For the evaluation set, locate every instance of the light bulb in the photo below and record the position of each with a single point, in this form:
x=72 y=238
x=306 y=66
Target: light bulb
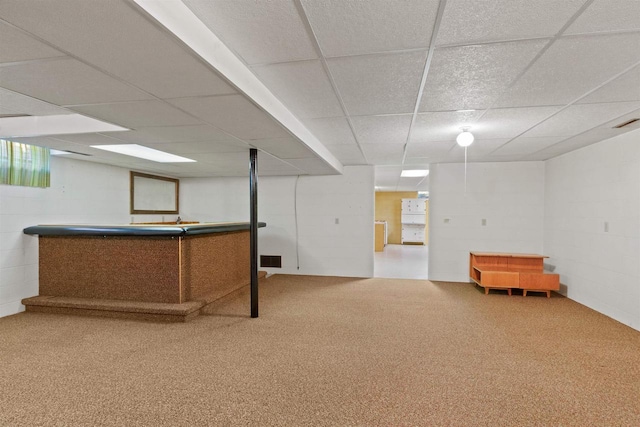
x=465 y=139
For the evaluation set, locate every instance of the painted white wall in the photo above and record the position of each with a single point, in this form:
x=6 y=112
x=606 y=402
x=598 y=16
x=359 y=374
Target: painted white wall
x=584 y=190
x=324 y=247
x=510 y=196
x=80 y=192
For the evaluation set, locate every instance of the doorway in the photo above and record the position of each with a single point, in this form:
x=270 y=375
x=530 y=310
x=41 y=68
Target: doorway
x=404 y=255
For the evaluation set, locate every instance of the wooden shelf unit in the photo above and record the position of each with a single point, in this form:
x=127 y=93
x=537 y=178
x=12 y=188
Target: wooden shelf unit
x=494 y=270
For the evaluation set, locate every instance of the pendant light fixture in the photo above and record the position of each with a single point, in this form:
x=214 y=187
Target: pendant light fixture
x=465 y=139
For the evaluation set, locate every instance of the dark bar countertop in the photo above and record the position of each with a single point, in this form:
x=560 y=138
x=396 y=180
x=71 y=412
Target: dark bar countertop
x=138 y=229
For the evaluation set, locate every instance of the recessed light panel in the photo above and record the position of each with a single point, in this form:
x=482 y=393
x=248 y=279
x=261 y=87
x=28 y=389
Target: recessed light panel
x=143 y=152
x=414 y=173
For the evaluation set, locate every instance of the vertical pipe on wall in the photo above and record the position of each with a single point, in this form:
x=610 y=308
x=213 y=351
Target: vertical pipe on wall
x=253 y=228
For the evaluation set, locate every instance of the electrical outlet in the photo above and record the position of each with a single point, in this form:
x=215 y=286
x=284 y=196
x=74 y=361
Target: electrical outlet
x=484 y=221
x=446 y=220
x=606 y=227
x=337 y=220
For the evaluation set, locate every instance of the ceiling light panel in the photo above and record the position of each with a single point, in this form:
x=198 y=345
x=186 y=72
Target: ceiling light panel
x=75 y=83
x=260 y=32
x=382 y=129
x=553 y=79
x=473 y=77
x=580 y=118
x=503 y=20
x=138 y=114
x=414 y=173
x=624 y=88
x=18 y=103
x=357 y=27
x=331 y=130
x=379 y=84
x=233 y=114
x=137 y=52
x=302 y=86
x=607 y=15
x=52 y=125
x=17 y=46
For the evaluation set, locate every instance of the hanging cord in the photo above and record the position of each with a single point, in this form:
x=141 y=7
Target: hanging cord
x=465 y=171
x=295 y=216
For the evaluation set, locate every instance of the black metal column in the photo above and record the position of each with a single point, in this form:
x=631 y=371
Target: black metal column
x=253 y=228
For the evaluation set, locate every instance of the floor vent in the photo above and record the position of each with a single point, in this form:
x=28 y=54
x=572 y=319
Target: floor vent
x=274 y=261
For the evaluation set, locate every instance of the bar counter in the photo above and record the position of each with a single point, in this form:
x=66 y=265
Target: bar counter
x=162 y=270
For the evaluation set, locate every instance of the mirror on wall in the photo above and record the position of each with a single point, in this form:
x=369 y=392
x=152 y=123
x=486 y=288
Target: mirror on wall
x=152 y=194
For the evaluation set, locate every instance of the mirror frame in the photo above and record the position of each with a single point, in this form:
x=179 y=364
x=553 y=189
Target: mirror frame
x=134 y=211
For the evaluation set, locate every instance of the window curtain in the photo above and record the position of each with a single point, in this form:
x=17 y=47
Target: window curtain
x=23 y=164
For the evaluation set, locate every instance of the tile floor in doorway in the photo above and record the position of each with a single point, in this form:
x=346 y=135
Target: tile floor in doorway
x=401 y=262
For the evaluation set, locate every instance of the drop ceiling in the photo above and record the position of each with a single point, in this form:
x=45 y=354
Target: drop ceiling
x=317 y=84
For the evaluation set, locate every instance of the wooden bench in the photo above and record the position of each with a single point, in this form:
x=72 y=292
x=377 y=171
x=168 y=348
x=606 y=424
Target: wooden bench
x=509 y=271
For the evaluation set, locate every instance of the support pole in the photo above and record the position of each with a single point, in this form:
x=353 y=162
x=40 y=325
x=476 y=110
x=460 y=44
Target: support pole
x=253 y=228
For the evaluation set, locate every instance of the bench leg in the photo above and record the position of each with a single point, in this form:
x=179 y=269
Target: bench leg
x=509 y=291
x=524 y=292
x=548 y=294
x=486 y=291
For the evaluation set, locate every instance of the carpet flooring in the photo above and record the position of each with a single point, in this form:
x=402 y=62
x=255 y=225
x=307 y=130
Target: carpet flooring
x=329 y=351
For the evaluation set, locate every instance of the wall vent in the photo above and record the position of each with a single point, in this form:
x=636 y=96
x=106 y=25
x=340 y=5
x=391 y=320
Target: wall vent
x=627 y=123
x=274 y=261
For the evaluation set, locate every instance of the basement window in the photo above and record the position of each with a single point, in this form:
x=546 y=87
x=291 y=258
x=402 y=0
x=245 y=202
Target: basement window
x=24 y=165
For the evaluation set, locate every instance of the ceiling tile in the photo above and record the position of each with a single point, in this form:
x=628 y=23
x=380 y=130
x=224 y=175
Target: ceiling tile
x=17 y=46
x=66 y=81
x=509 y=122
x=473 y=77
x=138 y=114
x=382 y=129
x=624 y=88
x=258 y=31
x=139 y=52
x=233 y=114
x=580 y=118
x=313 y=166
x=200 y=147
x=479 y=151
x=90 y=138
x=384 y=154
x=379 y=84
x=523 y=146
x=331 y=130
x=469 y=21
x=284 y=148
x=434 y=150
x=303 y=86
x=17 y=103
x=356 y=27
x=607 y=15
x=160 y=134
x=347 y=154
x=442 y=126
x=571 y=67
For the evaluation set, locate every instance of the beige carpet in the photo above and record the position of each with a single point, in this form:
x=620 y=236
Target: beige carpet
x=329 y=351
